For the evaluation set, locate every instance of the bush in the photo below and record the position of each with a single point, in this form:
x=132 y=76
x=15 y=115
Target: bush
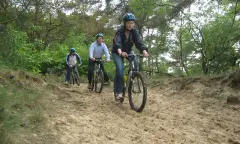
x=18 y=108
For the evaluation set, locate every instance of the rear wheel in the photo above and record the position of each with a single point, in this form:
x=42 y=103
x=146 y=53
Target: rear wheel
x=137 y=92
x=99 y=80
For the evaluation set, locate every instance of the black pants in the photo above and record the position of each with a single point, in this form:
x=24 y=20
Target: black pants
x=69 y=70
x=91 y=66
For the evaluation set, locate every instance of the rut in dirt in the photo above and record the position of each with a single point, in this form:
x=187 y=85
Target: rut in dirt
x=177 y=111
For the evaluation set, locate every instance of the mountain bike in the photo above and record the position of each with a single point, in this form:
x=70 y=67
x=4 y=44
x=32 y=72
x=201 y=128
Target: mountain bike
x=134 y=84
x=74 y=76
x=98 y=77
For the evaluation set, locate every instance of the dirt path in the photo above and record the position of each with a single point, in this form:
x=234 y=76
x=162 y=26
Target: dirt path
x=195 y=114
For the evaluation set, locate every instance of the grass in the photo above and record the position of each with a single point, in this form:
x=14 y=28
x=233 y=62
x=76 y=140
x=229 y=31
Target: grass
x=21 y=110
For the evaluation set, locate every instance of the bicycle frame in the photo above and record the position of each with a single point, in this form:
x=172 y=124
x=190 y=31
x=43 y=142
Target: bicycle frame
x=98 y=66
x=74 y=70
x=129 y=88
x=96 y=73
x=131 y=70
x=74 y=74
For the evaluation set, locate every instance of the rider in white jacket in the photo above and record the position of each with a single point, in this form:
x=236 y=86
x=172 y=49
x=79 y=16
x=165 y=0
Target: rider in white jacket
x=96 y=51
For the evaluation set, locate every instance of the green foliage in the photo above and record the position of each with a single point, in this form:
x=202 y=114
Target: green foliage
x=209 y=47
x=142 y=7
x=23 y=54
x=18 y=108
x=36 y=37
x=220 y=37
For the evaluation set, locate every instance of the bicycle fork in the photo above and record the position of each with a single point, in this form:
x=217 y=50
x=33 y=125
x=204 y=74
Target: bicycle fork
x=129 y=79
x=134 y=90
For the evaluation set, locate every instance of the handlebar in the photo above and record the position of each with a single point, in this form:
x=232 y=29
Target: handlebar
x=99 y=60
x=76 y=65
x=140 y=55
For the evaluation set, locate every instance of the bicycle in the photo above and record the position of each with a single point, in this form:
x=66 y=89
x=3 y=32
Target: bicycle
x=98 y=77
x=74 y=76
x=134 y=84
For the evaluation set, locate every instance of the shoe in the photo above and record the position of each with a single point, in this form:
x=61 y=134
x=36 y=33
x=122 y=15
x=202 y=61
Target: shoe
x=119 y=96
x=89 y=86
x=66 y=82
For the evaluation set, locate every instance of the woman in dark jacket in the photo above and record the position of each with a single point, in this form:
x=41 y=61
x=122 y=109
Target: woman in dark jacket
x=125 y=38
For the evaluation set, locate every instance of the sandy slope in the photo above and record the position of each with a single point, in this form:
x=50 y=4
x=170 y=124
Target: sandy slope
x=177 y=111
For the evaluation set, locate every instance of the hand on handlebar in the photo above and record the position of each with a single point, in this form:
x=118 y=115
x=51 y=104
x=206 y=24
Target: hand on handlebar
x=108 y=60
x=145 y=53
x=124 y=54
x=93 y=59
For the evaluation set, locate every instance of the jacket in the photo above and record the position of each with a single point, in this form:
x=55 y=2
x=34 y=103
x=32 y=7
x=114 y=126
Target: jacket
x=73 y=59
x=120 y=41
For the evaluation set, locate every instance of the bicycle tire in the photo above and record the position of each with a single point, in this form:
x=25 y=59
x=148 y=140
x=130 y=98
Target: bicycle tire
x=72 y=78
x=99 y=79
x=144 y=97
x=77 y=78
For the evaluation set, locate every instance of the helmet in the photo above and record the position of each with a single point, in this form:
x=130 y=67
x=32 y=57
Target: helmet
x=99 y=35
x=128 y=17
x=72 y=50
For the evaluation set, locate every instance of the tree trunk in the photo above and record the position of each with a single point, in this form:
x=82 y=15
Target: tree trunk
x=157 y=64
x=35 y=34
x=181 y=50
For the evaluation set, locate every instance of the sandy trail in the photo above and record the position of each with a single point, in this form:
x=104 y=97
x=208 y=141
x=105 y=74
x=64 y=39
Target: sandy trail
x=197 y=113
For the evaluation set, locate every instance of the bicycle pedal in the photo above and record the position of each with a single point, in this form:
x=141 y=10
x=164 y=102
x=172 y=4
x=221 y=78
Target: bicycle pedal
x=118 y=102
x=121 y=100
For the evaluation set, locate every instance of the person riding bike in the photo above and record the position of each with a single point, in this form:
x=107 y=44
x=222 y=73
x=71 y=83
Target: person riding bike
x=124 y=39
x=72 y=59
x=96 y=51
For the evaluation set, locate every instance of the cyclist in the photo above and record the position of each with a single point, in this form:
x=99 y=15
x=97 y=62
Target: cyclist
x=124 y=39
x=72 y=59
x=96 y=51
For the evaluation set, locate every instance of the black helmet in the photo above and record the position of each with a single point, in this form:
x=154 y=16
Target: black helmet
x=72 y=50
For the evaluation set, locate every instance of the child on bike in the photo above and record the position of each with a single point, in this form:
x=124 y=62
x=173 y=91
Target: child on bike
x=72 y=59
x=124 y=39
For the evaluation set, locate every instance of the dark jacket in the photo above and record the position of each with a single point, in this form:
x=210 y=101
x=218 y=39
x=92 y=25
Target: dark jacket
x=120 y=41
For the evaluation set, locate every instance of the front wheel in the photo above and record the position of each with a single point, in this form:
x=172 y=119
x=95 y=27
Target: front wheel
x=137 y=92
x=99 y=80
x=77 y=78
x=72 y=79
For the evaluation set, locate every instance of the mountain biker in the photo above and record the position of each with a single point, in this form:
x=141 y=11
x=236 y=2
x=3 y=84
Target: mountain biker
x=125 y=37
x=96 y=51
x=72 y=59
